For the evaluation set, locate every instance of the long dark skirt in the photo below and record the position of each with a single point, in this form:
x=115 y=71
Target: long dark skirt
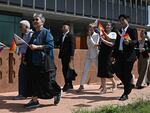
x=105 y=69
x=41 y=84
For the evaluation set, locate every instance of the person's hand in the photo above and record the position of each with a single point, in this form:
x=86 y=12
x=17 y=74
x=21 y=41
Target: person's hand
x=142 y=50
x=33 y=47
x=113 y=60
x=126 y=42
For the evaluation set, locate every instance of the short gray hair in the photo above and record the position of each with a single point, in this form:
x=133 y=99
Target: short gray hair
x=26 y=23
x=40 y=16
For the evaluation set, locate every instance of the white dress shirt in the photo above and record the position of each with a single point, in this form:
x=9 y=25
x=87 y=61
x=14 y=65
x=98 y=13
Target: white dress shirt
x=91 y=42
x=63 y=38
x=122 y=39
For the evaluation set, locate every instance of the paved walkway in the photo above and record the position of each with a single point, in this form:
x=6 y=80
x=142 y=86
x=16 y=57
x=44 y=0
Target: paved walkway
x=90 y=98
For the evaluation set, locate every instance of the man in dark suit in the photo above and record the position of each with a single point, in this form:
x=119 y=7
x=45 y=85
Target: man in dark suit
x=66 y=54
x=125 y=55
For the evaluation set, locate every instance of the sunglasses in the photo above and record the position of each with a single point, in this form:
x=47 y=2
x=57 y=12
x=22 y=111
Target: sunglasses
x=36 y=19
x=122 y=19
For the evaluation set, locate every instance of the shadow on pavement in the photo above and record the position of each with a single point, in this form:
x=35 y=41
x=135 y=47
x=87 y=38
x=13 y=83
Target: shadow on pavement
x=12 y=107
x=15 y=107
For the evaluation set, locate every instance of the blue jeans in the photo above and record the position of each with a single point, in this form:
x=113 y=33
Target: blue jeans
x=22 y=79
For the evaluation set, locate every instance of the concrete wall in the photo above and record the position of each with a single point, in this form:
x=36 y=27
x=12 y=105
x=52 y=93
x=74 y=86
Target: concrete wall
x=9 y=69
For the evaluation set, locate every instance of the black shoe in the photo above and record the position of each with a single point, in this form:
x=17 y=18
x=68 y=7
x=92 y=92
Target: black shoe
x=65 y=88
x=57 y=99
x=70 y=86
x=132 y=86
x=123 y=97
x=81 y=88
x=32 y=104
x=140 y=87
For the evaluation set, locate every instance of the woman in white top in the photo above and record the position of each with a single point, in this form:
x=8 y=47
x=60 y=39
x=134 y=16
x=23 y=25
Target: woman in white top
x=92 y=53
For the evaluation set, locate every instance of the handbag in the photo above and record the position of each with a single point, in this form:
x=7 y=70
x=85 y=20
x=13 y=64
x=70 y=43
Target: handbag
x=71 y=73
x=47 y=64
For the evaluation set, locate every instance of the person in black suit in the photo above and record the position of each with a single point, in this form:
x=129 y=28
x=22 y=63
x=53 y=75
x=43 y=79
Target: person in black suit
x=125 y=54
x=66 y=54
x=143 y=60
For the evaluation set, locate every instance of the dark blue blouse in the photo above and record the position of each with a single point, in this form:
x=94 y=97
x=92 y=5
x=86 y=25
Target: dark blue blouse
x=43 y=37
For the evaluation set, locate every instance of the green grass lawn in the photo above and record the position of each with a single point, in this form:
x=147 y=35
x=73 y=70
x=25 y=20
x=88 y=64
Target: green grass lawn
x=137 y=107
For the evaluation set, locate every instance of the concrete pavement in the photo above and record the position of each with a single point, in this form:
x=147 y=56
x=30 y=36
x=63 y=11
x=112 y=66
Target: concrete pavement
x=90 y=98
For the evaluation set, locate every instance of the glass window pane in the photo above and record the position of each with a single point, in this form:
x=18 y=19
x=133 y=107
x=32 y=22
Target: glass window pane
x=9 y=26
x=109 y=9
x=39 y=4
x=15 y=2
x=139 y=15
x=116 y=9
x=61 y=5
x=50 y=4
x=144 y=16
x=133 y=14
x=28 y=3
x=70 y=6
x=95 y=8
x=3 y=1
x=103 y=9
x=79 y=7
x=87 y=8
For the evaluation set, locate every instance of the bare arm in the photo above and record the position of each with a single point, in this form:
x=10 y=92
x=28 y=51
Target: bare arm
x=107 y=42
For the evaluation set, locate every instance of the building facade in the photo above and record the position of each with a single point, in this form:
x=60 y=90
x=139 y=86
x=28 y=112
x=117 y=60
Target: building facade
x=78 y=13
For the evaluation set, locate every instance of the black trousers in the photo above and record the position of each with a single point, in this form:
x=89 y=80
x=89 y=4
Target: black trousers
x=22 y=79
x=41 y=85
x=65 y=65
x=123 y=70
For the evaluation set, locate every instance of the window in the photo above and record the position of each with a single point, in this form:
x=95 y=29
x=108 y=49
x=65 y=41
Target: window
x=103 y=9
x=15 y=2
x=3 y=1
x=9 y=26
x=79 y=7
x=61 y=5
x=116 y=9
x=95 y=8
x=50 y=5
x=28 y=3
x=70 y=6
x=109 y=10
x=39 y=4
x=87 y=8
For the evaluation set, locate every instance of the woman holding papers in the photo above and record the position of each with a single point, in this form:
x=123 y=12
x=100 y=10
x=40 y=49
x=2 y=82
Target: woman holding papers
x=143 y=60
x=104 y=58
x=41 y=68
